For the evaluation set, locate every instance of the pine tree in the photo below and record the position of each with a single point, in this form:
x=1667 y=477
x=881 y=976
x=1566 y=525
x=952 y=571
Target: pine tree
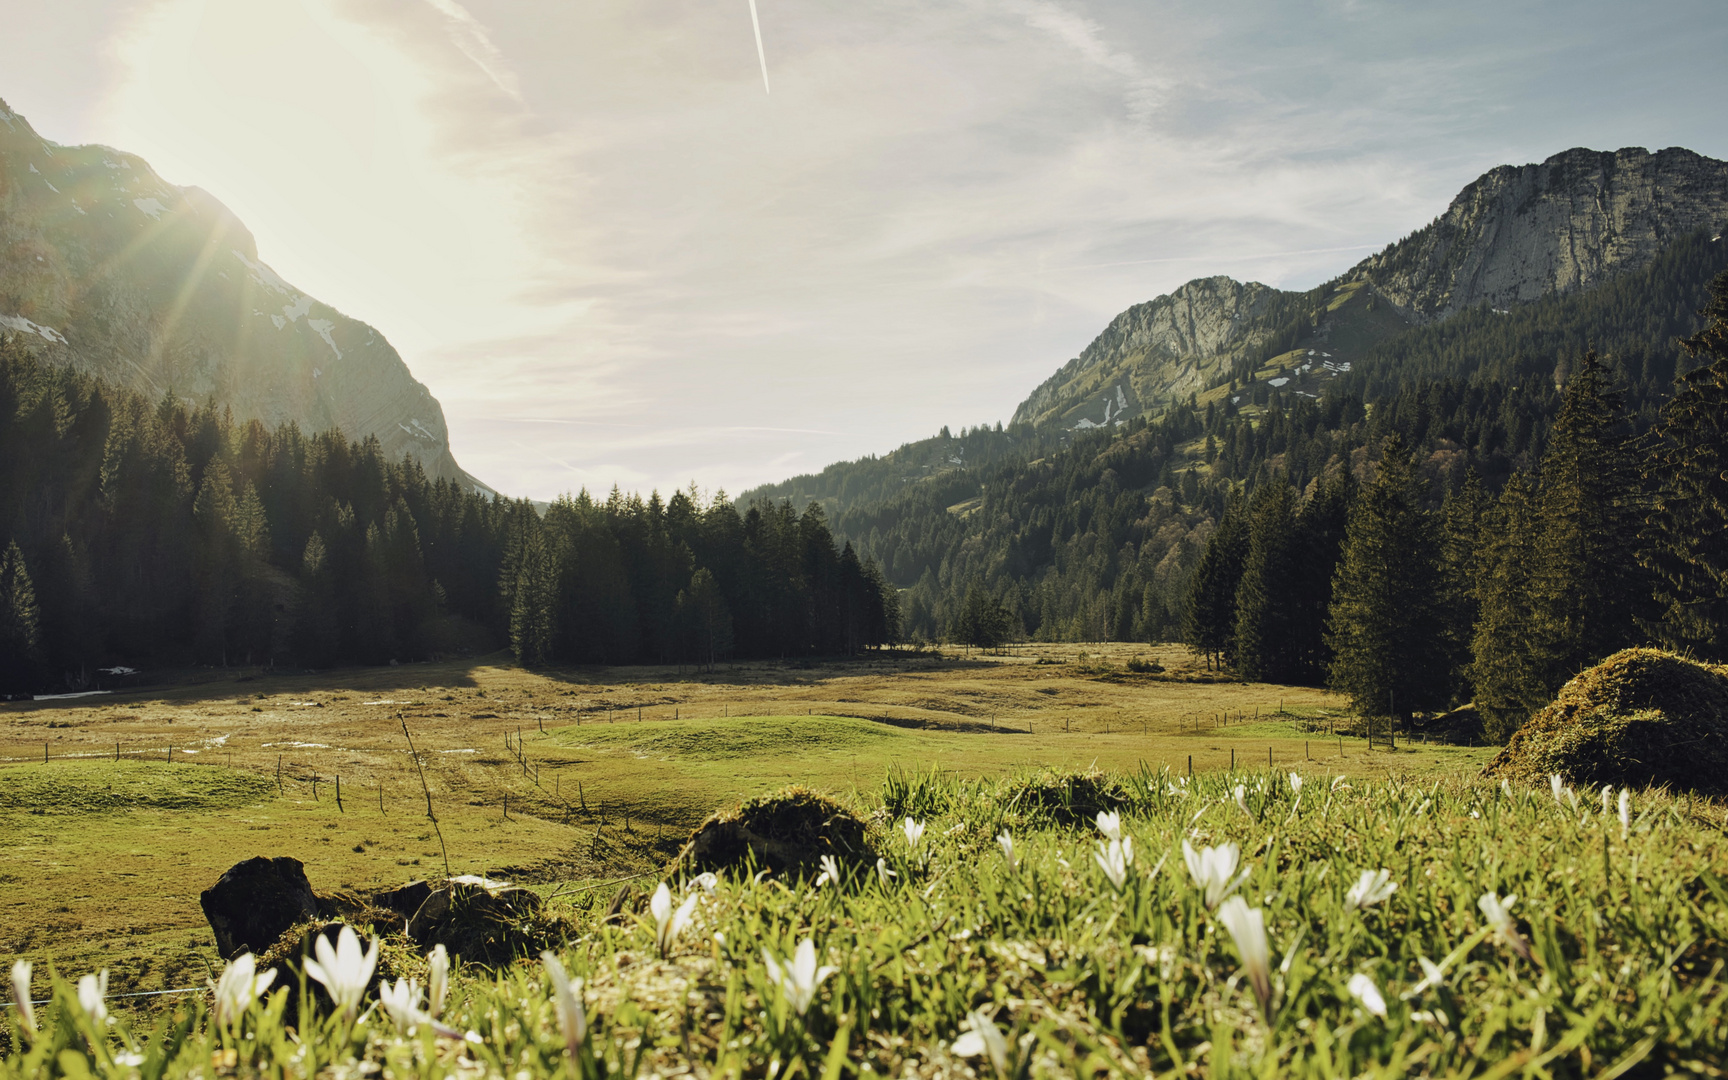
x=531 y=607
x=1267 y=649
x=708 y=618
x=1462 y=516
x=1386 y=637
x=20 y=635
x=1209 y=620
x=1588 y=587
x=1506 y=668
x=316 y=633
x=1320 y=527
x=1687 y=467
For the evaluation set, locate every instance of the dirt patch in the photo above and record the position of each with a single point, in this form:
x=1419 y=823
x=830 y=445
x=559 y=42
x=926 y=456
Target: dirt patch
x=1641 y=717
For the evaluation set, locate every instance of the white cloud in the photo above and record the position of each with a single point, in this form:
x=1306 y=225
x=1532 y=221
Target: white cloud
x=592 y=212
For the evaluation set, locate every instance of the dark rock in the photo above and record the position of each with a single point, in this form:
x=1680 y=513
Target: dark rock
x=255 y=902
x=405 y=900
x=482 y=921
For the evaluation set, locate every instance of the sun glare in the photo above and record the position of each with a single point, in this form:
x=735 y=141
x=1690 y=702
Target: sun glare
x=317 y=132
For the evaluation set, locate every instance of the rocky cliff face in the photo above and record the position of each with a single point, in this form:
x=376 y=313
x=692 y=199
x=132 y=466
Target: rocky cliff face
x=1516 y=234
x=1167 y=346
x=1521 y=232
x=106 y=268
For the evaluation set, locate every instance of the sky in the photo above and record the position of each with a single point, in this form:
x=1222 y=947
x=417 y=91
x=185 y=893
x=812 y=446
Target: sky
x=617 y=256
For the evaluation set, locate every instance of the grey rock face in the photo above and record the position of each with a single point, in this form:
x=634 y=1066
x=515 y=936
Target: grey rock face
x=107 y=269
x=1522 y=232
x=1514 y=235
x=1204 y=318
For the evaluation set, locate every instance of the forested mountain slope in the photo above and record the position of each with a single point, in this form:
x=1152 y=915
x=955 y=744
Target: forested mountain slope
x=108 y=270
x=1096 y=539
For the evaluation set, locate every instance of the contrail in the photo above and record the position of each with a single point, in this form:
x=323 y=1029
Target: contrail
x=756 y=25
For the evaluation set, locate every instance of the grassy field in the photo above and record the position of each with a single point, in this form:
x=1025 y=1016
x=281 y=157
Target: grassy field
x=1510 y=932
x=101 y=861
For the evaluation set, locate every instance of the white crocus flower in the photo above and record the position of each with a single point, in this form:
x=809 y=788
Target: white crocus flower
x=1505 y=787
x=830 y=872
x=401 y=1000
x=1241 y=796
x=1373 y=887
x=1211 y=868
x=1362 y=988
x=567 y=1003
x=914 y=831
x=344 y=970
x=1433 y=977
x=21 y=994
x=238 y=987
x=1006 y=843
x=1607 y=796
x=1625 y=813
x=1114 y=857
x=1247 y=928
x=668 y=924
x=799 y=978
x=883 y=874
x=1110 y=824
x=1296 y=783
x=707 y=881
x=1338 y=782
x=1498 y=911
x=93 y=994
x=983 y=1037
x=439 y=979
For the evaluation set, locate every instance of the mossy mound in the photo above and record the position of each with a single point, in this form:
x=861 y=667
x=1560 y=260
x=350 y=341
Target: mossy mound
x=787 y=832
x=397 y=956
x=485 y=922
x=1642 y=717
x=1066 y=798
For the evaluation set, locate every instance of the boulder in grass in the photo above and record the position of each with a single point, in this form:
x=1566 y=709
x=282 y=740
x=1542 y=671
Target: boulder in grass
x=1642 y=717
x=786 y=832
x=255 y=902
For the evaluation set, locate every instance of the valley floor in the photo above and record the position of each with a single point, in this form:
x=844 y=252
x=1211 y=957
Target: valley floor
x=563 y=779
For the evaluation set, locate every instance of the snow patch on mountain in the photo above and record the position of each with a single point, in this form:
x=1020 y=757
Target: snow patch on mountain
x=22 y=325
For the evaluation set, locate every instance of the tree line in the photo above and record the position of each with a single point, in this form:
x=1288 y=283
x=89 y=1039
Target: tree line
x=165 y=533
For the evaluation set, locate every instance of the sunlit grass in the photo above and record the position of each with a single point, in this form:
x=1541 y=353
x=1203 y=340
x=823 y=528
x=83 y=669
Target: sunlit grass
x=1383 y=953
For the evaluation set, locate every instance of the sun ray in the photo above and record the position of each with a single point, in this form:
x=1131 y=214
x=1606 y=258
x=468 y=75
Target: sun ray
x=756 y=25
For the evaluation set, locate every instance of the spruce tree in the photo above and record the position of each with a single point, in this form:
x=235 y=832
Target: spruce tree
x=1209 y=617
x=1267 y=648
x=1506 y=668
x=1686 y=531
x=1320 y=529
x=20 y=635
x=531 y=625
x=1588 y=587
x=1462 y=517
x=1385 y=633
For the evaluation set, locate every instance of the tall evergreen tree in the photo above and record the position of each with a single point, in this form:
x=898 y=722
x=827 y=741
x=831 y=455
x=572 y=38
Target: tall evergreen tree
x=1209 y=619
x=1267 y=597
x=1321 y=526
x=709 y=621
x=1462 y=517
x=1385 y=633
x=531 y=603
x=1686 y=550
x=1506 y=668
x=1589 y=586
x=20 y=643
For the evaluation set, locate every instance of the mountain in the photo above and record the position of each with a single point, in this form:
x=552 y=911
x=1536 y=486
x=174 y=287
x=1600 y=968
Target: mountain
x=1515 y=235
x=107 y=269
